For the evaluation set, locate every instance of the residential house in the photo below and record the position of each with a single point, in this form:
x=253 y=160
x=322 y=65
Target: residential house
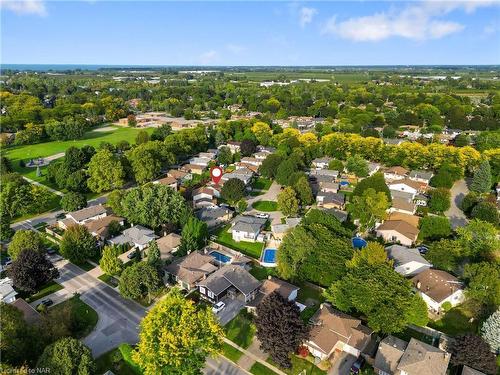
x=100 y=228
x=279 y=230
x=167 y=181
x=406 y=206
x=410 y=219
x=204 y=197
x=323 y=175
x=247 y=228
x=398 y=231
x=251 y=167
x=210 y=154
x=231 y=281
x=193 y=168
x=406 y=185
x=136 y=236
x=393 y=141
x=214 y=216
x=7 y=292
x=335 y=331
x=243 y=174
x=233 y=146
x=179 y=175
x=201 y=161
x=328 y=187
x=168 y=244
x=397 y=357
x=252 y=161
x=437 y=287
x=84 y=215
x=407 y=261
x=270 y=285
x=188 y=270
x=340 y=215
x=331 y=200
x=31 y=316
x=373 y=168
x=321 y=163
x=421 y=176
x=395 y=173
x=261 y=155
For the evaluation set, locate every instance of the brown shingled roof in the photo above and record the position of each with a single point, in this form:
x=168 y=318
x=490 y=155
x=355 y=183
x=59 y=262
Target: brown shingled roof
x=407 y=230
x=436 y=284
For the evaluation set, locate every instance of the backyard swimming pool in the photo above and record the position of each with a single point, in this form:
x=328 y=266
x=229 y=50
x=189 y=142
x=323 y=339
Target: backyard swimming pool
x=223 y=258
x=358 y=242
x=268 y=258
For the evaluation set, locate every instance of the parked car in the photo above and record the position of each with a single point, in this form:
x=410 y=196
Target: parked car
x=219 y=306
x=356 y=366
x=47 y=302
x=262 y=216
x=60 y=216
x=131 y=255
x=423 y=249
x=6 y=261
x=51 y=251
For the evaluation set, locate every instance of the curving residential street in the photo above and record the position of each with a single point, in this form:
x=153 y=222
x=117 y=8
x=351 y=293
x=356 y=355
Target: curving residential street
x=458 y=191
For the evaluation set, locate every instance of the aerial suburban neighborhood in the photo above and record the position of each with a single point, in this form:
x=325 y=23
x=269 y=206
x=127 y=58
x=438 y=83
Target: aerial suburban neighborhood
x=249 y=219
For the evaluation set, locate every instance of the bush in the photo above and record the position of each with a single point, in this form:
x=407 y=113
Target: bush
x=485 y=211
x=446 y=306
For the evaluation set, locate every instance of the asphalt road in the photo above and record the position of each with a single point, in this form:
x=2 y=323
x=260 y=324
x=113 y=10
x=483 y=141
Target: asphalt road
x=458 y=191
x=221 y=366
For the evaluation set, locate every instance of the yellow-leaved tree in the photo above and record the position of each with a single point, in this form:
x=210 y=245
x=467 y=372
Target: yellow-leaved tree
x=176 y=336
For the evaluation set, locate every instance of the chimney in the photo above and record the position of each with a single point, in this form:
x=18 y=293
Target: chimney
x=419 y=284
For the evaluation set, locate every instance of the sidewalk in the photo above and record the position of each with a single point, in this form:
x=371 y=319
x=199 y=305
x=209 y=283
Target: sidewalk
x=57 y=192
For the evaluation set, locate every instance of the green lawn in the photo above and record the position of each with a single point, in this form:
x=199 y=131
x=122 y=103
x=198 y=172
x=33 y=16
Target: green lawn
x=230 y=352
x=307 y=295
x=259 y=369
x=408 y=333
x=45 y=290
x=456 y=321
x=84 y=317
x=241 y=329
x=119 y=361
x=86 y=266
x=261 y=273
x=262 y=183
x=266 y=206
x=256 y=193
x=92 y=138
x=252 y=249
x=299 y=365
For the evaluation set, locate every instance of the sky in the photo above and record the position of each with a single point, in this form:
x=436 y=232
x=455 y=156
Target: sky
x=207 y=33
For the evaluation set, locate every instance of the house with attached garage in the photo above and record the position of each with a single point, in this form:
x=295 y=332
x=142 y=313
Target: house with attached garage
x=437 y=287
x=214 y=216
x=321 y=163
x=334 y=331
x=193 y=168
x=179 y=175
x=248 y=228
x=330 y=200
x=405 y=206
x=407 y=261
x=100 y=228
x=83 y=216
x=421 y=176
x=406 y=185
x=244 y=174
x=188 y=270
x=395 y=173
x=136 y=236
x=398 y=231
x=270 y=285
x=252 y=161
x=398 y=357
x=167 y=181
x=229 y=281
x=168 y=244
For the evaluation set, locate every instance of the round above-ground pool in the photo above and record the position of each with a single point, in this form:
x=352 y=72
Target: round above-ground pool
x=268 y=257
x=358 y=242
x=344 y=183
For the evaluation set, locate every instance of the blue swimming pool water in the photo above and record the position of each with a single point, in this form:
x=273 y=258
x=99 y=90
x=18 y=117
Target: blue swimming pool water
x=358 y=242
x=269 y=256
x=220 y=257
x=344 y=183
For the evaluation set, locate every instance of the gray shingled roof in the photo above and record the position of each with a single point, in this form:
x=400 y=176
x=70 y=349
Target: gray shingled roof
x=249 y=224
x=87 y=212
x=231 y=275
x=403 y=255
x=421 y=174
x=389 y=352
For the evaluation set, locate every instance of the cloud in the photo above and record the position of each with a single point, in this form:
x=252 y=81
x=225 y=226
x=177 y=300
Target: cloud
x=236 y=48
x=306 y=15
x=417 y=22
x=208 y=57
x=36 y=7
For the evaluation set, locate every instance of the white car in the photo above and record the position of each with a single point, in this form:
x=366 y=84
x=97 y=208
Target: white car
x=262 y=216
x=219 y=306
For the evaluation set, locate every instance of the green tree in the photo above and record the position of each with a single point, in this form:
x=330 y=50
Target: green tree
x=434 y=227
x=139 y=280
x=225 y=156
x=483 y=283
x=369 y=208
x=485 y=211
x=233 y=190
x=109 y=262
x=67 y=356
x=445 y=254
x=142 y=137
x=357 y=165
x=105 y=172
x=482 y=180
x=376 y=182
x=304 y=191
x=194 y=235
x=242 y=205
x=25 y=240
x=78 y=244
x=146 y=160
x=469 y=201
x=286 y=169
x=154 y=255
x=73 y=201
x=336 y=165
x=288 y=203
x=176 y=336
x=31 y=270
x=490 y=331
x=270 y=165
x=479 y=239
x=439 y=200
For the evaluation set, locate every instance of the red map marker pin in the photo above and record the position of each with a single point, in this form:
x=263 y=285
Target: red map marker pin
x=216 y=174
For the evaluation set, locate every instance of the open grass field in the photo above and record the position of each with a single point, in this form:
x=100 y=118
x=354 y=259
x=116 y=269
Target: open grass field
x=91 y=138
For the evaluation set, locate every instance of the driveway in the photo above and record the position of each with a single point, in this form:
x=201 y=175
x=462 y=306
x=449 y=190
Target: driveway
x=458 y=191
x=342 y=364
x=119 y=318
x=233 y=307
x=270 y=195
